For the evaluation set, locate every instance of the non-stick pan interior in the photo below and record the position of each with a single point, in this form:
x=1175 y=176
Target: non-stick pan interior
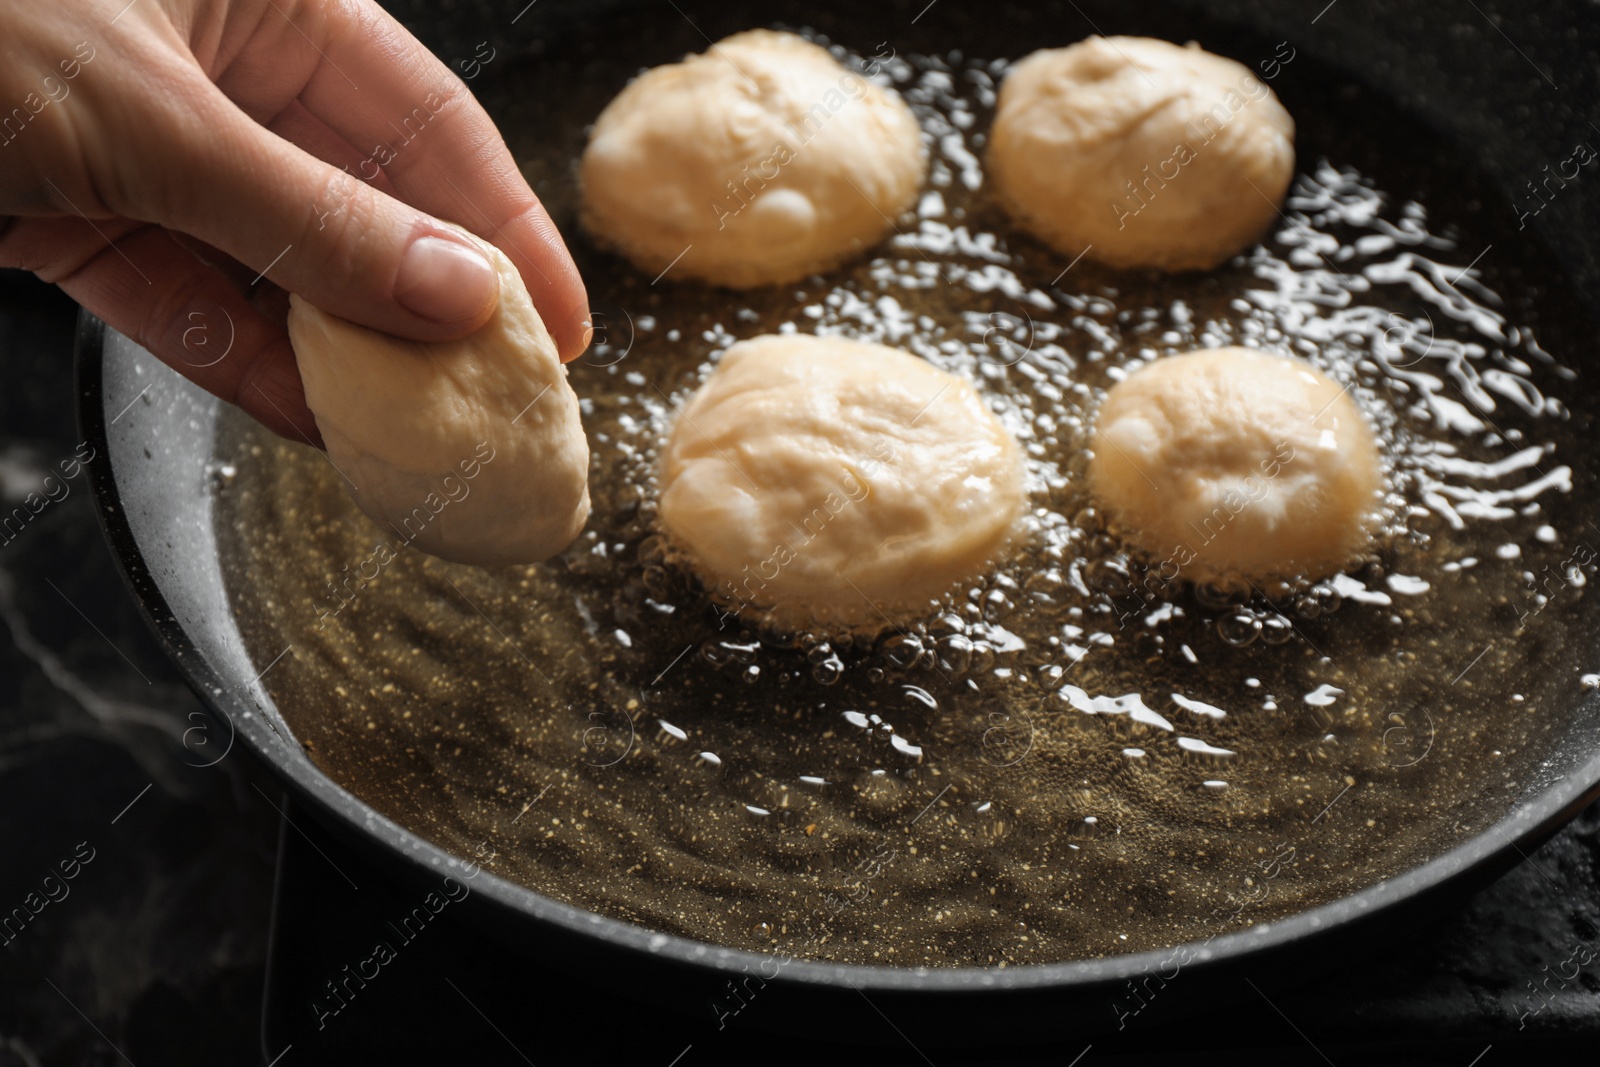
x=160 y=430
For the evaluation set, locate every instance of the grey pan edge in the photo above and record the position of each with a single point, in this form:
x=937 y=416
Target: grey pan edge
x=156 y=514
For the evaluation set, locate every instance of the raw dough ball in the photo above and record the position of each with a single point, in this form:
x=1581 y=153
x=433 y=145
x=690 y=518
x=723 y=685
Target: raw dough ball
x=763 y=157
x=1229 y=465
x=844 y=479
x=470 y=450
x=1142 y=152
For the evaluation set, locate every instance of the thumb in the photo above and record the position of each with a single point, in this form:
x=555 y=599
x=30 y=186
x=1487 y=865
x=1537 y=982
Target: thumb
x=317 y=230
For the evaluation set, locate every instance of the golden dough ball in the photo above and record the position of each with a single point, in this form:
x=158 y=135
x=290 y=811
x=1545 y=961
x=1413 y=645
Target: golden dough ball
x=470 y=450
x=1140 y=153
x=1231 y=466
x=845 y=481
x=760 y=161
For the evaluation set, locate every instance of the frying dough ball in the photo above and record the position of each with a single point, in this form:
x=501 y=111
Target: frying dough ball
x=758 y=162
x=1143 y=153
x=843 y=479
x=470 y=450
x=1229 y=465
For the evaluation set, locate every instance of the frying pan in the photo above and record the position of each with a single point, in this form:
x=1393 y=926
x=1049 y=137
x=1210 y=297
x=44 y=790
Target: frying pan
x=1507 y=87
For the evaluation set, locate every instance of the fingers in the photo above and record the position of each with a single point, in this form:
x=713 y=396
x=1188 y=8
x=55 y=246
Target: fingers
x=295 y=124
x=311 y=227
x=443 y=154
x=142 y=283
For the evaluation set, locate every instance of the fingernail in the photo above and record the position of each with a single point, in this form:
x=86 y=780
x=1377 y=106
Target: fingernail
x=588 y=335
x=445 y=281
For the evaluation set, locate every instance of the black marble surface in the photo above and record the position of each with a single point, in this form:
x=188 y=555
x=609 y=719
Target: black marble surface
x=155 y=950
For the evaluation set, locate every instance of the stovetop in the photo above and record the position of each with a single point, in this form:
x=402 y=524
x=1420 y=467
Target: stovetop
x=144 y=867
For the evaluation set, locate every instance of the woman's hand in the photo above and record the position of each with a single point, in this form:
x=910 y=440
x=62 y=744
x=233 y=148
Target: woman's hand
x=158 y=157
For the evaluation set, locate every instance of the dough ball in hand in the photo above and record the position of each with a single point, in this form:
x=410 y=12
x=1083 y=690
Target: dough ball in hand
x=758 y=162
x=470 y=450
x=1231 y=466
x=844 y=481
x=1141 y=152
